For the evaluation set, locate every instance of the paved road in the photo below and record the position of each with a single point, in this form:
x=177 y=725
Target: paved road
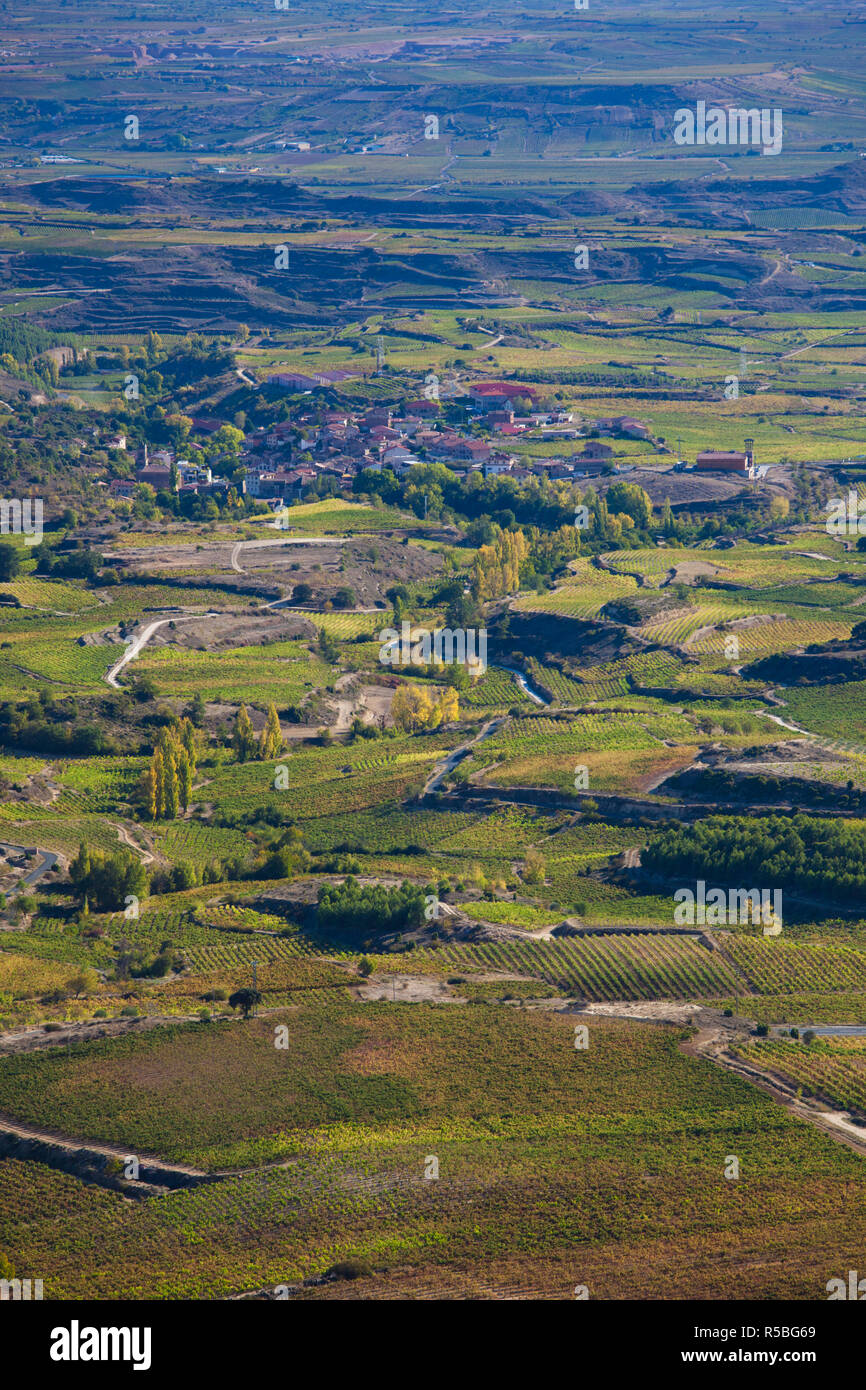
x=829 y=1030
x=49 y=859
x=522 y=682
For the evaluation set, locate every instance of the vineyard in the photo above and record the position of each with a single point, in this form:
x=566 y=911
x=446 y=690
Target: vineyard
x=282 y=673
x=782 y=967
x=343 y=626
x=356 y=1104
x=645 y=966
x=836 y=711
x=831 y=1069
x=338 y=516
x=582 y=595
x=52 y=595
x=778 y=636
x=496 y=689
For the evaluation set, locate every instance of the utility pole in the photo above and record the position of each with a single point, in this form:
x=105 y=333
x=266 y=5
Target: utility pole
x=380 y=354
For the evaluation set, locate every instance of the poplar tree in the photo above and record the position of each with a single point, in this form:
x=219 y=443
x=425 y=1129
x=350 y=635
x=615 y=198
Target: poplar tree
x=244 y=738
x=271 y=737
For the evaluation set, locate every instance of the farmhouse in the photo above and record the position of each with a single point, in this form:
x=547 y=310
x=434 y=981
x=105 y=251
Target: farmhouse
x=499 y=395
x=157 y=477
x=722 y=461
x=623 y=424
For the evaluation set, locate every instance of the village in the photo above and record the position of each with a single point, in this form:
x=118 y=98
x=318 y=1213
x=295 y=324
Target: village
x=324 y=448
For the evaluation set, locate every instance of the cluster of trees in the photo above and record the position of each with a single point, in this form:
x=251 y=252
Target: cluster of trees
x=414 y=709
x=73 y=561
x=496 y=567
x=283 y=858
x=270 y=742
x=22 y=341
x=105 y=881
x=372 y=908
x=812 y=855
x=167 y=783
x=760 y=787
x=539 y=502
x=623 y=517
x=21 y=346
x=46 y=725
x=138 y=962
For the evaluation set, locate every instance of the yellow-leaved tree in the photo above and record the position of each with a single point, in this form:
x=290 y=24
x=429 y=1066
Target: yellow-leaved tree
x=413 y=708
x=271 y=737
x=166 y=785
x=496 y=567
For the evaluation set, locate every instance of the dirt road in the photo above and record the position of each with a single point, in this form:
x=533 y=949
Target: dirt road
x=712 y=1042
x=441 y=771
x=284 y=540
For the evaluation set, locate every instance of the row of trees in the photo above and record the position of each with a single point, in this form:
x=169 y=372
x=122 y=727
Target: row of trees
x=270 y=742
x=167 y=783
x=496 y=567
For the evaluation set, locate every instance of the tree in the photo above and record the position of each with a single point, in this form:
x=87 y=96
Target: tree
x=108 y=879
x=79 y=869
x=158 y=767
x=190 y=743
x=245 y=1000
x=184 y=778
x=496 y=567
x=534 y=866
x=271 y=737
x=228 y=438
x=243 y=739
x=328 y=646
x=448 y=707
x=411 y=708
x=170 y=786
x=196 y=711
x=10 y=561
x=630 y=500
x=165 y=787
x=84 y=982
